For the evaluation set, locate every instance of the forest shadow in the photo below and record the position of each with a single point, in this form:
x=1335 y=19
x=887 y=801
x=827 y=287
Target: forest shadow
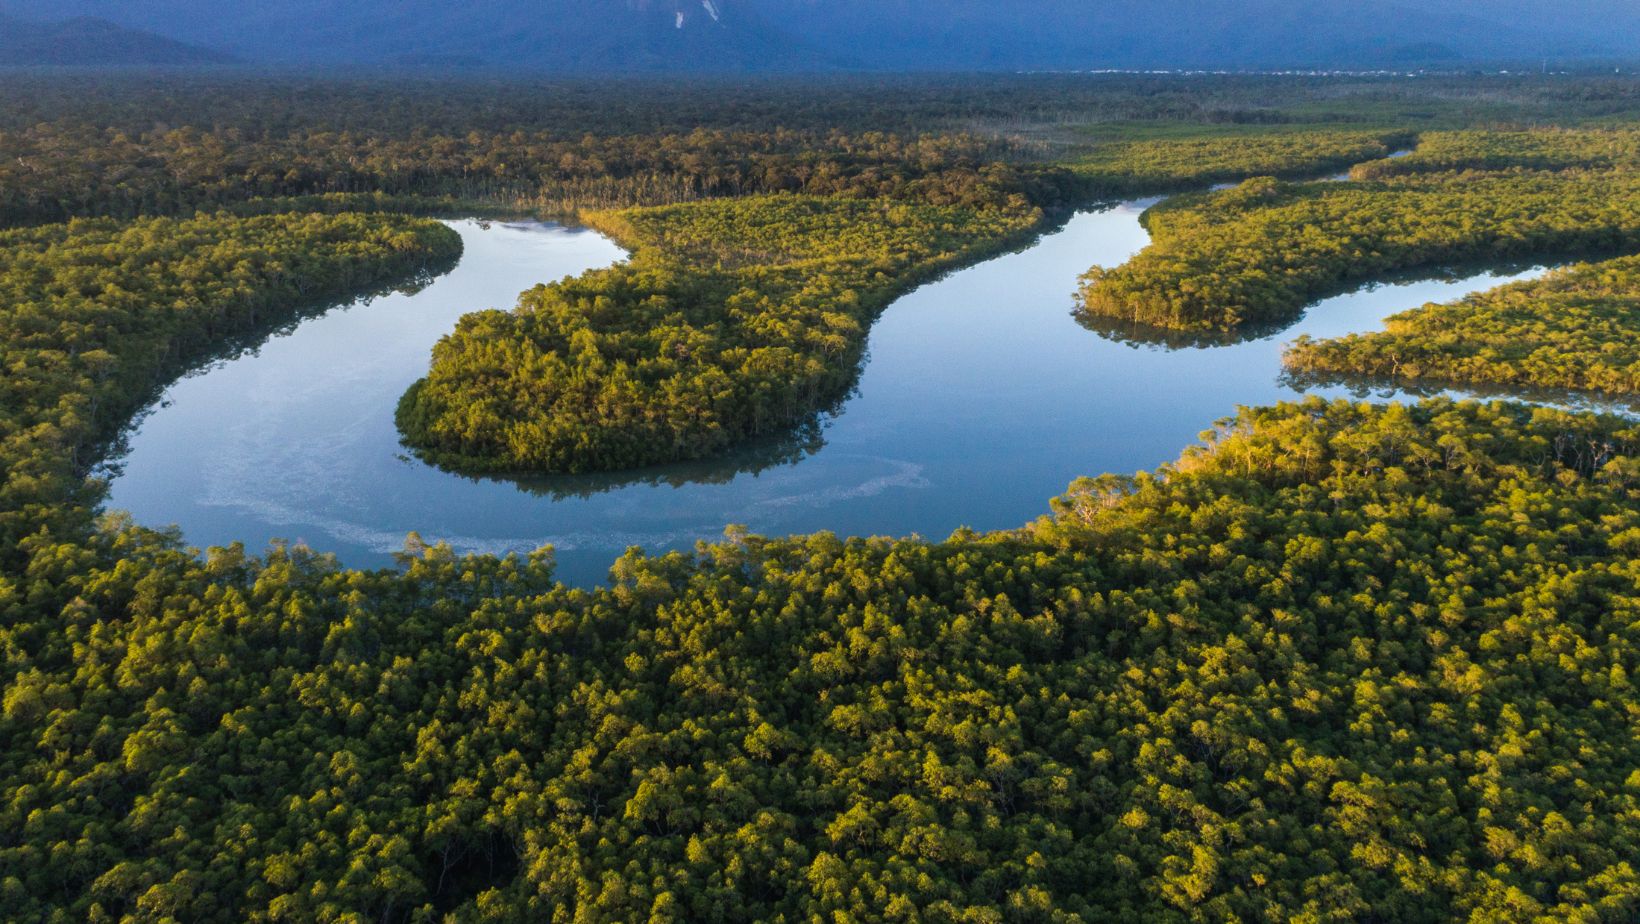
x=748 y=459
x=1387 y=388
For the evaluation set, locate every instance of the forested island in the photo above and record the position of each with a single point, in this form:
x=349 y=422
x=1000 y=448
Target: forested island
x=1339 y=661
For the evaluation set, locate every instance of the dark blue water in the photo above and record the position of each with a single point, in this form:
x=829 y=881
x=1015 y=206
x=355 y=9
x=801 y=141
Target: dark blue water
x=982 y=398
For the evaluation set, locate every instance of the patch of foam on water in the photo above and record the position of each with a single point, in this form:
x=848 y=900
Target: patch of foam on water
x=906 y=475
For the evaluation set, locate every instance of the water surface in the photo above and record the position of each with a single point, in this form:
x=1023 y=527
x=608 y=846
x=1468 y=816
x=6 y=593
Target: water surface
x=981 y=399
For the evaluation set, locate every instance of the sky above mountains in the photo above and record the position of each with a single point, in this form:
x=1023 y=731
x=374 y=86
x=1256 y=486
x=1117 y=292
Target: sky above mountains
x=588 y=36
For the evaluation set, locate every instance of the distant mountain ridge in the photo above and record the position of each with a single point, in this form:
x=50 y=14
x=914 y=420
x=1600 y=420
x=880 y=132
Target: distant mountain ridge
x=649 y=36
x=91 y=41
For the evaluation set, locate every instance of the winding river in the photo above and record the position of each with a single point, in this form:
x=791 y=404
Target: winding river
x=982 y=398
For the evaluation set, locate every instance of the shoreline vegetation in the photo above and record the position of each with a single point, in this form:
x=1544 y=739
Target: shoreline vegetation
x=99 y=314
x=1336 y=661
x=1575 y=330
x=732 y=321
x=1258 y=253
x=622 y=369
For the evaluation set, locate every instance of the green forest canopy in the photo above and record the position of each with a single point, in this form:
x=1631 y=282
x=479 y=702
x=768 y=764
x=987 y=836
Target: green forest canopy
x=1345 y=661
x=1338 y=662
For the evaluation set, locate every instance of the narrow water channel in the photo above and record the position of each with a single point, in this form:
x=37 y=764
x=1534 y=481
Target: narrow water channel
x=981 y=399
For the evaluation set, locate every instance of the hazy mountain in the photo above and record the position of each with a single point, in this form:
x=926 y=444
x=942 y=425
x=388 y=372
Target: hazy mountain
x=1167 y=33
x=89 y=41
x=583 y=36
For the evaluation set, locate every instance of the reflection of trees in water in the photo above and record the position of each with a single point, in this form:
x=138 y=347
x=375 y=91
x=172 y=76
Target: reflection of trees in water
x=247 y=344
x=1139 y=335
x=1390 y=388
x=788 y=449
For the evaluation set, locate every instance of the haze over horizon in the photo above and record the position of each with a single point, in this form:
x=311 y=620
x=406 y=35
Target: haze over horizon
x=748 y=36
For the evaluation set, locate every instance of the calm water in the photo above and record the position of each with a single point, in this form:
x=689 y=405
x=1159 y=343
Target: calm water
x=982 y=398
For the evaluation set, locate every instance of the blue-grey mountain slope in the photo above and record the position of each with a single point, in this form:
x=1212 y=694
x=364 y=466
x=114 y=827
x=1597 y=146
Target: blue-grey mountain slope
x=612 y=36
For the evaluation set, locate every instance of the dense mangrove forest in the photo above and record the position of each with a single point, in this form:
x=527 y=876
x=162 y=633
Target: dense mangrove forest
x=1336 y=661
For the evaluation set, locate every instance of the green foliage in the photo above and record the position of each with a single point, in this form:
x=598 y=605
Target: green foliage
x=1129 y=106
x=1340 y=661
x=1258 y=253
x=1577 y=329
x=73 y=145
x=1124 y=167
x=54 y=171
x=1541 y=149
x=734 y=319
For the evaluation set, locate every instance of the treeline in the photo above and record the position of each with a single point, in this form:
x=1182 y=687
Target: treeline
x=1541 y=149
x=95 y=315
x=72 y=146
x=1124 y=167
x=403 y=105
x=1577 y=329
x=1342 y=662
x=173 y=145
x=1262 y=251
x=52 y=172
x=734 y=319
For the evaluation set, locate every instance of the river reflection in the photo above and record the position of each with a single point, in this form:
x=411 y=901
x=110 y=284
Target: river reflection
x=981 y=398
